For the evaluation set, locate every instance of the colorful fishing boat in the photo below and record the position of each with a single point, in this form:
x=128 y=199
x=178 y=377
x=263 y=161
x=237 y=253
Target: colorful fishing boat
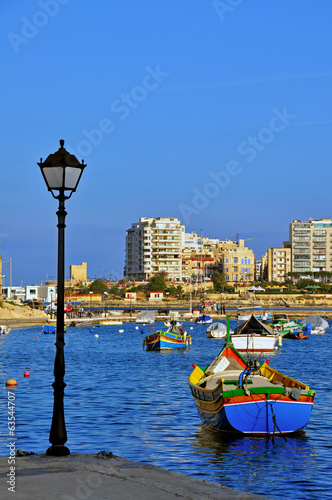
x=173 y=338
x=233 y=395
x=288 y=328
x=254 y=336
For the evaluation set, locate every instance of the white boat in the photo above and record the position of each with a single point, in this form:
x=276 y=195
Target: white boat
x=146 y=317
x=254 y=336
x=318 y=324
x=4 y=329
x=216 y=331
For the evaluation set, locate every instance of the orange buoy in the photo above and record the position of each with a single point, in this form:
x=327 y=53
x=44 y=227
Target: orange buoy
x=26 y=374
x=11 y=382
x=36 y=336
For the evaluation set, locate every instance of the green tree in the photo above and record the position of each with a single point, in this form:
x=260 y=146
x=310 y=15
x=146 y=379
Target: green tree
x=219 y=282
x=98 y=286
x=156 y=284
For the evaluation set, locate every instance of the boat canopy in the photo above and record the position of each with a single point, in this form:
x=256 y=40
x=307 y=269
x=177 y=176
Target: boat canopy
x=253 y=325
x=316 y=322
x=217 y=327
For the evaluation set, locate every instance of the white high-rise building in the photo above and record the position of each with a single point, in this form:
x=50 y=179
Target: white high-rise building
x=154 y=245
x=311 y=244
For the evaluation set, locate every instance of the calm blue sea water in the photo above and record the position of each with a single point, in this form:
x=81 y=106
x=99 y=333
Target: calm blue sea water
x=138 y=405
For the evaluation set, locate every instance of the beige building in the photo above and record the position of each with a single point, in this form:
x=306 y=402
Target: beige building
x=199 y=257
x=311 y=244
x=237 y=262
x=78 y=273
x=279 y=263
x=153 y=245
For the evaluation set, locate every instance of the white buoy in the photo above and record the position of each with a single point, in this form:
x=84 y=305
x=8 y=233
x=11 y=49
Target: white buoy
x=121 y=331
x=136 y=328
x=191 y=328
x=96 y=336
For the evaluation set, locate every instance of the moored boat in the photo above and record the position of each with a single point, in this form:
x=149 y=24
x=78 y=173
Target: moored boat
x=4 y=329
x=233 y=395
x=254 y=336
x=203 y=320
x=317 y=323
x=173 y=338
x=286 y=327
x=216 y=331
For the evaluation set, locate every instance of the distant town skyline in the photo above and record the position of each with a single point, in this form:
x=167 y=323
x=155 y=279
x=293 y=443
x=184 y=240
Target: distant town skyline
x=217 y=113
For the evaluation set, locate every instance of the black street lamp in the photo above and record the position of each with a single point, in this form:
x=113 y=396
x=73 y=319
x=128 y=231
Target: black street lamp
x=62 y=172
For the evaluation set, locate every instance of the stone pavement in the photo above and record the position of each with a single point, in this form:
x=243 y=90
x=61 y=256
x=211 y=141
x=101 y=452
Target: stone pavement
x=87 y=477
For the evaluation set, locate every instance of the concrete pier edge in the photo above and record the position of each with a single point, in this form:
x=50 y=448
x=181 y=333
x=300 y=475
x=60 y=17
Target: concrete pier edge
x=79 y=476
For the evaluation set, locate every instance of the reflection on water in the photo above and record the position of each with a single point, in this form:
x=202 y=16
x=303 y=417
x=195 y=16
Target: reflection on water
x=138 y=405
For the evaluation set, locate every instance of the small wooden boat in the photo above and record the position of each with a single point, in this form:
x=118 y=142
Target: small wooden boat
x=233 y=395
x=173 y=338
x=254 y=336
x=284 y=326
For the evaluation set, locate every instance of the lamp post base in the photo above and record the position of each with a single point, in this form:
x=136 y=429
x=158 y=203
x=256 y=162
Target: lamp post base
x=58 y=450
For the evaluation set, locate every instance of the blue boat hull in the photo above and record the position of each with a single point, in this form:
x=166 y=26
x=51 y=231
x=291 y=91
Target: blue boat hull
x=258 y=417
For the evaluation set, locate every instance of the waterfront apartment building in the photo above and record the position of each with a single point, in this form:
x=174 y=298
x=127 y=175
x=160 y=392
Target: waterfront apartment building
x=311 y=244
x=237 y=262
x=279 y=263
x=154 y=245
x=199 y=257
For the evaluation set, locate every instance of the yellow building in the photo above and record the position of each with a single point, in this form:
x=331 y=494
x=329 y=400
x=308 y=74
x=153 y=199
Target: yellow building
x=78 y=274
x=279 y=263
x=237 y=262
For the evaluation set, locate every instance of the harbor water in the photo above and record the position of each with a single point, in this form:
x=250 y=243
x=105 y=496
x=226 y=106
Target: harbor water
x=138 y=405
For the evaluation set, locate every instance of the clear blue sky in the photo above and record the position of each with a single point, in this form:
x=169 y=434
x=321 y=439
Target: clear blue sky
x=218 y=113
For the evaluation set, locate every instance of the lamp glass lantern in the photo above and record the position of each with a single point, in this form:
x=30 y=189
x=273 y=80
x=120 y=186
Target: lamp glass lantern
x=62 y=172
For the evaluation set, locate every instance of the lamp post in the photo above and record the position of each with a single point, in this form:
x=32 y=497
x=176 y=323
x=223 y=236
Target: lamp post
x=62 y=172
